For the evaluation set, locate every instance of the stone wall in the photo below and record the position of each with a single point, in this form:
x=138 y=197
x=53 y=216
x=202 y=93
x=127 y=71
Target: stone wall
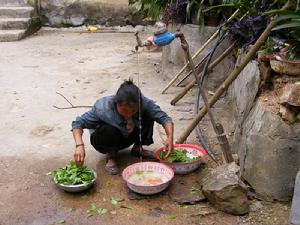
x=268 y=147
x=59 y=13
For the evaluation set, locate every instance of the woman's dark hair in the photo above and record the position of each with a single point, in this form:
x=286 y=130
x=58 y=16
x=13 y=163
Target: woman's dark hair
x=128 y=94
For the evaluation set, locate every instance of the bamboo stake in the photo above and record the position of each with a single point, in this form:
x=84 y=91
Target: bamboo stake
x=209 y=70
x=233 y=75
x=197 y=53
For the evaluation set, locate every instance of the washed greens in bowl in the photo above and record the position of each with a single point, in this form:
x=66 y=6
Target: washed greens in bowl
x=184 y=159
x=74 y=178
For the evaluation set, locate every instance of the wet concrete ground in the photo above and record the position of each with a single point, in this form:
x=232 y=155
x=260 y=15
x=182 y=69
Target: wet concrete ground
x=36 y=137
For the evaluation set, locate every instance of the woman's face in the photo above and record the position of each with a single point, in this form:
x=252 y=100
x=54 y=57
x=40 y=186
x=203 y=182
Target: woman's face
x=127 y=111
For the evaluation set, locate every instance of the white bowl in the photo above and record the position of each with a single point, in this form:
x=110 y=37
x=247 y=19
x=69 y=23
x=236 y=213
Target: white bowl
x=165 y=170
x=77 y=187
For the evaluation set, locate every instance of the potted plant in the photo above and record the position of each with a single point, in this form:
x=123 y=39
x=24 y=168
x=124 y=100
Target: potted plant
x=284 y=53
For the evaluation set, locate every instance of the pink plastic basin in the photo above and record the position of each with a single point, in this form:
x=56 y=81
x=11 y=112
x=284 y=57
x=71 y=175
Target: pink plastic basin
x=184 y=167
x=163 y=169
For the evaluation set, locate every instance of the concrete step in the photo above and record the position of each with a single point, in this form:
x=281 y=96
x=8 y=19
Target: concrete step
x=13 y=2
x=13 y=23
x=15 y=12
x=11 y=35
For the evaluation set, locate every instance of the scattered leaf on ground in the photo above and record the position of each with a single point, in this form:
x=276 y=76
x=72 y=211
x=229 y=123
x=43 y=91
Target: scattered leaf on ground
x=194 y=189
x=172 y=216
x=114 y=201
x=95 y=210
x=71 y=209
x=109 y=184
x=126 y=207
x=57 y=222
x=113 y=212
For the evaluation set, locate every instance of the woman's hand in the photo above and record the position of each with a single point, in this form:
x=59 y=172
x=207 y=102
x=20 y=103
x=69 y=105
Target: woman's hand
x=79 y=155
x=169 y=145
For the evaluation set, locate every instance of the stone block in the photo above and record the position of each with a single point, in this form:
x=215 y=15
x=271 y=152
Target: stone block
x=225 y=191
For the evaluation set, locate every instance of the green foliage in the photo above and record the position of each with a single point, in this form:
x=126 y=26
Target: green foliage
x=72 y=175
x=177 y=156
x=287 y=19
x=151 y=8
x=288 y=28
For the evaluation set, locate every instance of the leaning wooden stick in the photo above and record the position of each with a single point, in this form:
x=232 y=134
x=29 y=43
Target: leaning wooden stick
x=187 y=75
x=209 y=69
x=233 y=75
x=218 y=128
x=197 y=53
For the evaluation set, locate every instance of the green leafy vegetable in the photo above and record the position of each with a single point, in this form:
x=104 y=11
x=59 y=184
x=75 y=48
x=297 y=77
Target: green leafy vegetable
x=72 y=175
x=178 y=155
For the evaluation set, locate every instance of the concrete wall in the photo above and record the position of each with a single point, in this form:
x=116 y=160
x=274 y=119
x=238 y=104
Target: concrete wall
x=173 y=56
x=59 y=13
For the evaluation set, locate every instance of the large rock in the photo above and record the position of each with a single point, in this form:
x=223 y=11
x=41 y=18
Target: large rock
x=224 y=190
x=291 y=94
x=269 y=152
x=60 y=13
x=242 y=94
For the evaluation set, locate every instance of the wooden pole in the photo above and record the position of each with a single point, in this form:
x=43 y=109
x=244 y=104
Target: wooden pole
x=233 y=75
x=209 y=69
x=224 y=144
x=197 y=53
x=218 y=128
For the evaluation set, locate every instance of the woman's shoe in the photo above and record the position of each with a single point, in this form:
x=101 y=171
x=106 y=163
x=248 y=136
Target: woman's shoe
x=111 y=166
